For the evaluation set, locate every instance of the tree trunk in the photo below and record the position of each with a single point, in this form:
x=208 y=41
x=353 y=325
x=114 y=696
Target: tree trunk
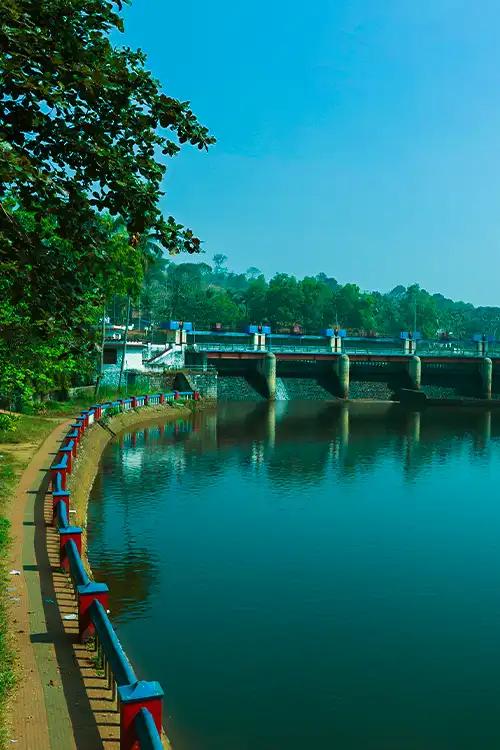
x=125 y=336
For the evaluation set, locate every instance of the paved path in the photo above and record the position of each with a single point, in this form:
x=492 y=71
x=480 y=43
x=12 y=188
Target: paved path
x=51 y=707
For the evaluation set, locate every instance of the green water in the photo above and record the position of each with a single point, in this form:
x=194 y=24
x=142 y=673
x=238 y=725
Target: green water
x=301 y=576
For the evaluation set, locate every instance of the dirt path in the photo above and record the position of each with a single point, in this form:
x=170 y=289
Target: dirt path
x=50 y=709
x=61 y=702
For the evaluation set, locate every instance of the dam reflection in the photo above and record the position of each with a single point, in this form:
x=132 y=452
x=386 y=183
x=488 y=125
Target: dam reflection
x=348 y=439
x=304 y=443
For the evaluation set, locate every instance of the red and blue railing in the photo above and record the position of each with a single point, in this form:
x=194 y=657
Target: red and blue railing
x=139 y=702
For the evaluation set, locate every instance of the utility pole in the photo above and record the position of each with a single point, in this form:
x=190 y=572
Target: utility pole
x=101 y=361
x=125 y=337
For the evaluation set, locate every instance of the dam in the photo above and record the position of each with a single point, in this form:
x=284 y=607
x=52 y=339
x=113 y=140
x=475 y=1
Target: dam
x=264 y=366
x=311 y=375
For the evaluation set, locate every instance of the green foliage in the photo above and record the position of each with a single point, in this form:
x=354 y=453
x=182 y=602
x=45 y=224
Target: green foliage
x=28 y=429
x=8 y=422
x=113 y=411
x=196 y=292
x=83 y=119
x=7 y=482
x=85 y=132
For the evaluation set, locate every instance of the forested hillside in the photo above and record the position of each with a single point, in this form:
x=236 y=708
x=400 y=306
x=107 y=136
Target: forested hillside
x=208 y=293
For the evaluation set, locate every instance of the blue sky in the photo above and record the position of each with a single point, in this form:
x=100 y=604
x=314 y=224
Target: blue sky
x=355 y=137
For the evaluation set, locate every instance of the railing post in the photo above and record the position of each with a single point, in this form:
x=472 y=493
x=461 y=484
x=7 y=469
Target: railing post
x=65 y=534
x=80 y=426
x=73 y=436
x=162 y=398
x=131 y=699
x=176 y=395
x=59 y=496
x=75 y=432
x=97 y=412
x=69 y=451
x=146 y=400
x=134 y=402
x=53 y=477
x=86 y=594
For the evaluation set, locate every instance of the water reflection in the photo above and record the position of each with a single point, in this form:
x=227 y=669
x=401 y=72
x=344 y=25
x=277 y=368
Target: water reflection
x=308 y=575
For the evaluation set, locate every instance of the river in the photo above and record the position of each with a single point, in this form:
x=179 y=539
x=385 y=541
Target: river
x=303 y=576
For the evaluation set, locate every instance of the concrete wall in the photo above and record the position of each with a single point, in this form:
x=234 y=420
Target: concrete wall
x=203 y=382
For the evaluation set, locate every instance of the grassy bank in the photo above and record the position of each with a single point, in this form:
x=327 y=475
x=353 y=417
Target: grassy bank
x=74 y=406
x=7 y=484
x=20 y=437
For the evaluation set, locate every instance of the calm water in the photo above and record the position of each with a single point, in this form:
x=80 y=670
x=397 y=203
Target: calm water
x=303 y=577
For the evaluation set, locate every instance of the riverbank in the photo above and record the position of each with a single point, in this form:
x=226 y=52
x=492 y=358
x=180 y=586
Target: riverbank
x=58 y=702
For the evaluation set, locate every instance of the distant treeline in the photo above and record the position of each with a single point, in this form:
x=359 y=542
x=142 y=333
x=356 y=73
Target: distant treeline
x=207 y=294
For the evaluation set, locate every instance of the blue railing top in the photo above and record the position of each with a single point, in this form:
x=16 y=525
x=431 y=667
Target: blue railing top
x=62 y=514
x=59 y=488
x=113 y=649
x=62 y=463
x=68 y=447
x=226 y=334
x=146 y=731
x=78 y=572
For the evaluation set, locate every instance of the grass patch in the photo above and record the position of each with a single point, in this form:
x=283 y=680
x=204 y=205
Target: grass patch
x=75 y=406
x=8 y=478
x=28 y=429
x=30 y=432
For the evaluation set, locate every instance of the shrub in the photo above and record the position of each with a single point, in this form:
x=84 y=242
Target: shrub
x=8 y=422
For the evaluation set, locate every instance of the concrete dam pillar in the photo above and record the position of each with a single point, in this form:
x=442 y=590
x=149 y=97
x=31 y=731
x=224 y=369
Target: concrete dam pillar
x=341 y=367
x=486 y=372
x=415 y=372
x=267 y=368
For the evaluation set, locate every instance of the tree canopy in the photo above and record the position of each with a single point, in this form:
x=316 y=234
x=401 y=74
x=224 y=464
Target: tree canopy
x=85 y=130
x=208 y=294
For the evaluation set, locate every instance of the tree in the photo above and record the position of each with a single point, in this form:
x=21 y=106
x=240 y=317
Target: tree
x=284 y=300
x=255 y=300
x=83 y=127
x=253 y=272
x=220 y=263
x=317 y=304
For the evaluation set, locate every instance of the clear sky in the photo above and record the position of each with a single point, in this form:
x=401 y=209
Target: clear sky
x=356 y=137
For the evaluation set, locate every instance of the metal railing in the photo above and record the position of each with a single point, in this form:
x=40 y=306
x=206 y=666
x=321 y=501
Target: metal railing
x=77 y=571
x=423 y=349
x=109 y=650
x=139 y=701
x=146 y=731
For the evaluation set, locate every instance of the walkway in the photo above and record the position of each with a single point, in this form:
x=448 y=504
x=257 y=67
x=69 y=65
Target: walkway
x=53 y=705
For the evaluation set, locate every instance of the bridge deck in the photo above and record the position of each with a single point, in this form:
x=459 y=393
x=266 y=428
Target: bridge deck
x=315 y=354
